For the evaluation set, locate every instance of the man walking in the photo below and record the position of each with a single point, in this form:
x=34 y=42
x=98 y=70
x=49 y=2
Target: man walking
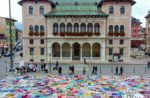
x=85 y=61
x=30 y=66
x=60 y=70
x=148 y=64
x=121 y=70
x=73 y=69
x=93 y=69
x=44 y=66
x=116 y=71
x=96 y=70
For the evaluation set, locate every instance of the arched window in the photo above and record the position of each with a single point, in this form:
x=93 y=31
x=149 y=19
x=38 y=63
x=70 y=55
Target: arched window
x=96 y=28
x=30 y=10
x=90 y=27
x=149 y=21
x=116 y=28
x=111 y=10
x=30 y=28
x=122 y=10
x=121 y=29
x=36 y=28
x=69 y=27
x=83 y=27
x=41 y=28
x=55 y=27
x=76 y=27
x=41 y=10
x=111 y=29
x=62 y=27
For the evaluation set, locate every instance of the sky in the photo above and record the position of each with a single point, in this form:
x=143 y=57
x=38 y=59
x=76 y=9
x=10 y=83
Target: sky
x=139 y=10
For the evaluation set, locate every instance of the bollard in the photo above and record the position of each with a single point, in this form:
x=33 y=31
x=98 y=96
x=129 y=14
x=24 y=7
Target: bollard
x=111 y=69
x=145 y=69
x=100 y=69
x=6 y=69
x=39 y=69
x=134 y=69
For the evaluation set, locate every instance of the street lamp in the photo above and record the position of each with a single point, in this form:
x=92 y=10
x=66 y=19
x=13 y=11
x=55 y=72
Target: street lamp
x=11 y=58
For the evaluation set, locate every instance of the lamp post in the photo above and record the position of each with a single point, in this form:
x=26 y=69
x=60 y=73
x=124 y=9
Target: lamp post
x=10 y=31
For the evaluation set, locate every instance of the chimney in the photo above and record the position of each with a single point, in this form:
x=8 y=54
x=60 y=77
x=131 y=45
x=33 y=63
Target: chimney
x=149 y=12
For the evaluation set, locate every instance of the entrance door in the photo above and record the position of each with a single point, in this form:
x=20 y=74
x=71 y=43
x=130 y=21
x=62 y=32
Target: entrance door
x=76 y=49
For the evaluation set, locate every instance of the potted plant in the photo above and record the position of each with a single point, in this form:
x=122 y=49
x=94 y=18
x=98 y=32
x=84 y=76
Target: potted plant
x=18 y=69
x=90 y=34
x=36 y=33
x=30 y=34
x=55 y=33
x=42 y=34
x=62 y=34
x=97 y=34
x=122 y=34
x=116 y=34
x=110 y=34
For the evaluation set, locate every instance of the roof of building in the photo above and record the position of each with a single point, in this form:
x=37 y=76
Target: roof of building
x=21 y=1
x=134 y=20
x=147 y=16
x=75 y=7
x=8 y=19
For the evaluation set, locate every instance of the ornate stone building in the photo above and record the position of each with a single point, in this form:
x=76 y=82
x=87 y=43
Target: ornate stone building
x=71 y=30
x=147 y=35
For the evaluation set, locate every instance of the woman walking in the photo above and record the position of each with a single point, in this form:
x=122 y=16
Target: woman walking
x=70 y=70
x=84 y=70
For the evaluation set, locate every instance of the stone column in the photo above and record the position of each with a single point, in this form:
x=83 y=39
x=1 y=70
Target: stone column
x=58 y=29
x=80 y=53
x=91 y=54
x=103 y=54
x=70 y=53
x=60 y=53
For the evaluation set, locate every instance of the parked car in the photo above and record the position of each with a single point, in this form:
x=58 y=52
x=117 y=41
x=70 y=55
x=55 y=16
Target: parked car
x=19 y=48
x=142 y=46
x=21 y=54
x=7 y=54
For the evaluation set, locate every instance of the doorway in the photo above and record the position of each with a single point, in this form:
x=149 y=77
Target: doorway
x=76 y=51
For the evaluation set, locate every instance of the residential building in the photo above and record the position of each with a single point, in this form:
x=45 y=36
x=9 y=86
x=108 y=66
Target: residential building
x=72 y=30
x=141 y=33
x=5 y=34
x=147 y=35
x=135 y=28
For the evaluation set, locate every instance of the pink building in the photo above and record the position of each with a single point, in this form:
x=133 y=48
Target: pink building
x=135 y=26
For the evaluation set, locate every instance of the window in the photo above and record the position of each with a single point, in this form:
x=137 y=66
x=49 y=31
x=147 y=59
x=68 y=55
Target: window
x=97 y=28
x=110 y=28
x=76 y=27
x=69 y=27
x=83 y=27
x=121 y=51
x=117 y=2
x=31 y=51
x=121 y=41
x=31 y=41
x=30 y=10
x=36 y=2
x=62 y=27
x=134 y=25
x=134 y=31
x=30 y=28
x=41 y=28
x=149 y=21
x=42 y=41
x=36 y=28
x=42 y=51
x=90 y=27
x=116 y=29
x=121 y=29
x=41 y=10
x=110 y=41
x=0 y=42
x=111 y=10
x=110 y=51
x=55 y=27
x=122 y=10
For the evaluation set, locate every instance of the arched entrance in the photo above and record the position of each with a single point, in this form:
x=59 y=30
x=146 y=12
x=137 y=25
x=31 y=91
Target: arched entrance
x=76 y=51
x=56 y=51
x=96 y=53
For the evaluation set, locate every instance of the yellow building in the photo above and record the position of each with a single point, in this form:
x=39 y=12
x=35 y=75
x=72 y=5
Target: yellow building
x=5 y=35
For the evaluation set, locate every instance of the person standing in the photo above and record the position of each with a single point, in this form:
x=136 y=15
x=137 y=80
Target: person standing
x=27 y=67
x=121 y=70
x=42 y=66
x=85 y=61
x=46 y=68
x=148 y=64
x=93 y=69
x=70 y=70
x=60 y=70
x=96 y=70
x=84 y=70
x=116 y=71
x=57 y=65
x=30 y=66
x=73 y=69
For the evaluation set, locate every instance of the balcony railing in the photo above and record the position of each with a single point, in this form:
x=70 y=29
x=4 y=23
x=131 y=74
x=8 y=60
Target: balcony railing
x=63 y=34
x=116 y=34
x=36 y=34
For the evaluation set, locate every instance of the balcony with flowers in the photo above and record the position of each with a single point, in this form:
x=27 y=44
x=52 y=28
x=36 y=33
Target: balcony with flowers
x=31 y=34
x=116 y=34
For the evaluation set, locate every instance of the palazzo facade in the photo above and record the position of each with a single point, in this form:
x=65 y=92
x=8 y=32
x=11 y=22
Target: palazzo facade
x=71 y=30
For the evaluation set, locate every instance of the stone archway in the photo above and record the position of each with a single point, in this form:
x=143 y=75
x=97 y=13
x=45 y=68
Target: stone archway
x=86 y=50
x=96 y=51
x=76 y=51
x=56 y=50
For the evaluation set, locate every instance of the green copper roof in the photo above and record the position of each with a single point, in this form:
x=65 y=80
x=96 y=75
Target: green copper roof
x=68 y=7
